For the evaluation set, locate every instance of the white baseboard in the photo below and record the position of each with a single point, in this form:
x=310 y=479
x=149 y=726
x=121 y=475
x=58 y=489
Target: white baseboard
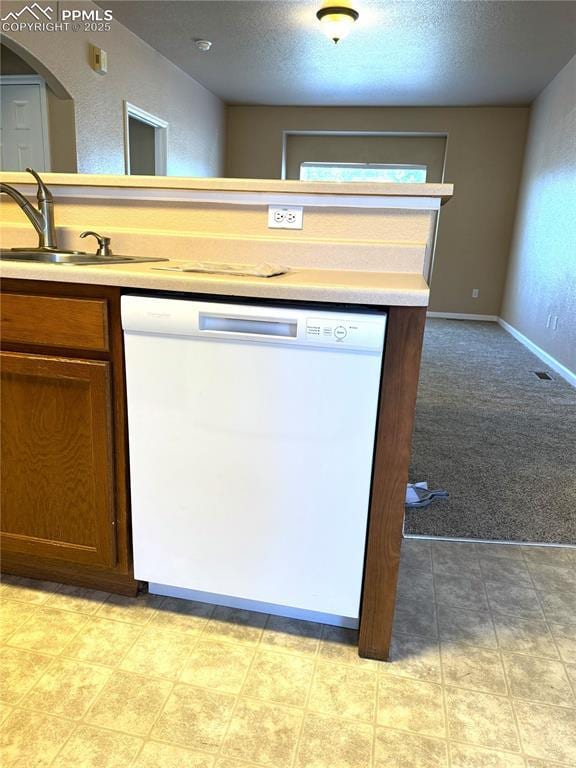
x=460 y=316
x=550 y=361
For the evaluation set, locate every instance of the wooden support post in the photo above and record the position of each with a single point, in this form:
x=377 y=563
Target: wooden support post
x=397 y=401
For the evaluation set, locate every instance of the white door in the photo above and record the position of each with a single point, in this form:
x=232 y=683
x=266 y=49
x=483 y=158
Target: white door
x=24 y=125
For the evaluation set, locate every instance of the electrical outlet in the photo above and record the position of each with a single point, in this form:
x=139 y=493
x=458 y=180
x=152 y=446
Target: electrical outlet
x=475 y=293
x=285 y=216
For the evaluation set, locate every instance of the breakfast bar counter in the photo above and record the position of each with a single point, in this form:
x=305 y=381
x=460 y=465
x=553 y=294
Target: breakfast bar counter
x=299 y=284
x=360 y=245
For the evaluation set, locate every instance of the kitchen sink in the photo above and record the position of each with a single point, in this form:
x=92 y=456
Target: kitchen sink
x=75 y=258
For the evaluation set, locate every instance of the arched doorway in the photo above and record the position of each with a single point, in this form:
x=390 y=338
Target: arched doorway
x=38 y=120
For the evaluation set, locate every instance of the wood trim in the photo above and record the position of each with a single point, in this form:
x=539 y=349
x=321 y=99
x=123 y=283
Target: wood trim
x=54 y=288
x=120 y=432
x=397 y=401
x=48 y=351
x=67 y=573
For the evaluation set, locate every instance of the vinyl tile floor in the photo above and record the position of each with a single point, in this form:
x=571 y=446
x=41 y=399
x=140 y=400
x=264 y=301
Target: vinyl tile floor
x=483 y=674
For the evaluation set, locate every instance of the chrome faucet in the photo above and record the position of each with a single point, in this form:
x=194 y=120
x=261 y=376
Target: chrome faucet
x=42 y=218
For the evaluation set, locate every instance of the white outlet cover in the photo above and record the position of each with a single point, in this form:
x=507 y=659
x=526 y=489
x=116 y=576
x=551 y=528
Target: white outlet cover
x=285 y=216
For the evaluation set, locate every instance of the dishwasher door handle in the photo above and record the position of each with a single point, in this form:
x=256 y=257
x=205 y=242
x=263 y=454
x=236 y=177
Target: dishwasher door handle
x=247 y=325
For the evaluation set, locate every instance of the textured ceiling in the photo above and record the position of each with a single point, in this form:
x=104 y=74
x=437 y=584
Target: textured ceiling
x=417 y=53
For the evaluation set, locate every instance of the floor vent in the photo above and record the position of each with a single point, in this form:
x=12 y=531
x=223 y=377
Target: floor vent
x=543 y=375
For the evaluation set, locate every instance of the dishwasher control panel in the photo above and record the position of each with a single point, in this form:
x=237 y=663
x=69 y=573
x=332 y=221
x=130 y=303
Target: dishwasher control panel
x=345 y=331
x=264 y=324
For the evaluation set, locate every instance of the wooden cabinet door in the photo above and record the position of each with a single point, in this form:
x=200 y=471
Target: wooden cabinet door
x=57 y=449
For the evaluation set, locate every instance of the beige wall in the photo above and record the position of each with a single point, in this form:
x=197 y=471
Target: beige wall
x=542 y=272
x=484 y=162
x=139 y=75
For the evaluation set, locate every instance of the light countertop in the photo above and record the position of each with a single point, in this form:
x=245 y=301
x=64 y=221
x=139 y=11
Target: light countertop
x=323 y=285
x=150 y=183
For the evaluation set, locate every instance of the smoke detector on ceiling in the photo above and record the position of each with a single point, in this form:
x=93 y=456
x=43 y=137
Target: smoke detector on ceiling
x=203 y=45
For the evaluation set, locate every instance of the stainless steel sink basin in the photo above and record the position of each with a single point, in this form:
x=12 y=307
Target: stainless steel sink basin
x=76 y=258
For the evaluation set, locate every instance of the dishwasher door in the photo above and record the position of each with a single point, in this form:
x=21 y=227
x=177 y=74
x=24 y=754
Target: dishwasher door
x=251 y=433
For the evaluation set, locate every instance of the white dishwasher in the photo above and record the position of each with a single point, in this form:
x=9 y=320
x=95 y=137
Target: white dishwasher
x=251 y=433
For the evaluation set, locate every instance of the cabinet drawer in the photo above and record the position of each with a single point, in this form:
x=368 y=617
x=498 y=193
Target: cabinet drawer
x=53 y=321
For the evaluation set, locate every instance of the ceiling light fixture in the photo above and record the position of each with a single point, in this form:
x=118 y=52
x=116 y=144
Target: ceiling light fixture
x=336 y=21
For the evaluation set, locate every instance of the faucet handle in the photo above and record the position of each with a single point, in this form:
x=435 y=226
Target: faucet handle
x=43 y=194
x=103 y=243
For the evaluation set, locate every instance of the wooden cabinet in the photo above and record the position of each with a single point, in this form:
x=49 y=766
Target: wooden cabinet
x=64 y=446
x=63 y=451
x=55 y=321
x=57 y=478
